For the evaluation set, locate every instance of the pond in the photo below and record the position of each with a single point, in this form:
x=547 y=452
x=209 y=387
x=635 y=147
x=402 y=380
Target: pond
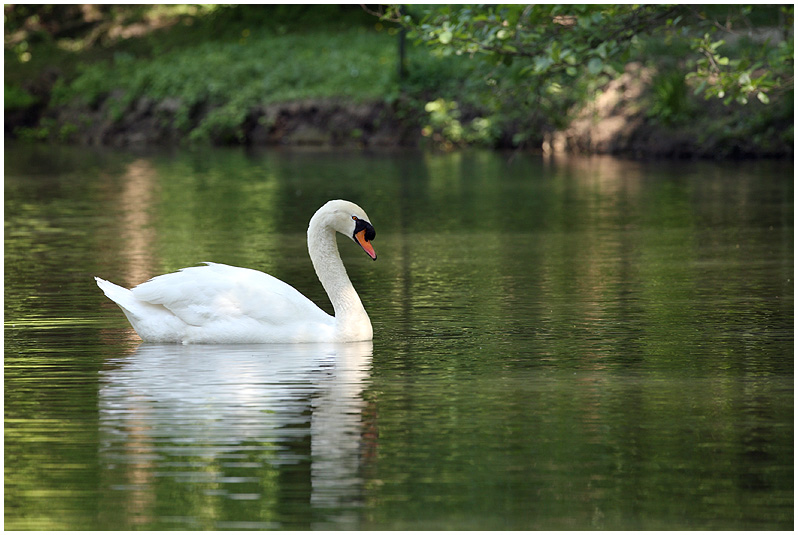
x=577 y=343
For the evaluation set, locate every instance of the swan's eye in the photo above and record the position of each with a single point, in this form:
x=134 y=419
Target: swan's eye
x=354 y=218
x=365 y=227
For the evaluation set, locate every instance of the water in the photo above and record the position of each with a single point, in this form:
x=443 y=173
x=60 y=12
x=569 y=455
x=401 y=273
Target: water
x=579 y=344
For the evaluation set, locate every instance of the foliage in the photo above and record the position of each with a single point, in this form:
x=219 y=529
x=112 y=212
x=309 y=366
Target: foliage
x=670 y=100
x=222 y=79
x=490 y=74
x=47 y=129
x=446 y=130
x=216 y=61
x=767 y=71
x=15 y=98
x=537 y=51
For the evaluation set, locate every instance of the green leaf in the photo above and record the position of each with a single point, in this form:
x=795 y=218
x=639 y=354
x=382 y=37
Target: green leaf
x=555 y=51
x=763 y=98
x=595 y=65
x=542 y=63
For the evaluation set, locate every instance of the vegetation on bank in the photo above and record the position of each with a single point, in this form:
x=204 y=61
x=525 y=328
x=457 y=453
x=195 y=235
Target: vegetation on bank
x=214 y=63
x=547 y=61
x=466 y=77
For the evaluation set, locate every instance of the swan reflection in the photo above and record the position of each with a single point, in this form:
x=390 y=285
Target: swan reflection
x=265 y=423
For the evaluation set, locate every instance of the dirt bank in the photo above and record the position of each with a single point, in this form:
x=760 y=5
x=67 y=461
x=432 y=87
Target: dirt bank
x=316 y=122
x=616 y=121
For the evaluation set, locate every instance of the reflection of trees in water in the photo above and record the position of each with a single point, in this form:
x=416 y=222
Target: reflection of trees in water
x=136 y=204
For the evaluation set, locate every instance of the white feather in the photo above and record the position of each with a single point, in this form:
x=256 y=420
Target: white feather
x=217 y=303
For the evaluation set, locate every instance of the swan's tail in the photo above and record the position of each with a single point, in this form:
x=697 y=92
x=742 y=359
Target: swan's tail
x=153 y=323
x=121 y=296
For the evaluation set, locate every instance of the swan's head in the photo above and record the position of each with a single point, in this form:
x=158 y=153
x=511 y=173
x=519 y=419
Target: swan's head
x=363 y=234
x=350 y=220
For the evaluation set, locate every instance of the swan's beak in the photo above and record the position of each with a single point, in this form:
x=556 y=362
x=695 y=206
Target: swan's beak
x=365 y=244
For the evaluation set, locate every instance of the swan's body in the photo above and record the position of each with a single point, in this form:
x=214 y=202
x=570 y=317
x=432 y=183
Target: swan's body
x=220 y=304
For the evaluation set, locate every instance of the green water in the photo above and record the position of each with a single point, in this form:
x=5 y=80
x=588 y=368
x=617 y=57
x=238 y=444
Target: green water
x=586 y=343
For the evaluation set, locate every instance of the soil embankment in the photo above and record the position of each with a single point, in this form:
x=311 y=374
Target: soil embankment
x=616 y=121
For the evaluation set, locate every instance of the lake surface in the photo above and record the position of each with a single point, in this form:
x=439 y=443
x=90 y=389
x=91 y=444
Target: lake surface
x=587 y=343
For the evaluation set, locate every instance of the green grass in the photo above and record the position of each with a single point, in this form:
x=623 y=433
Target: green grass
x=231 y=77
x=230 y=66
x=219 y=66
x=262 y=68
x=225 y=62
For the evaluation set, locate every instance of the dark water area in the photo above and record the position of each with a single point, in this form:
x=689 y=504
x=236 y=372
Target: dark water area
x=580 y=343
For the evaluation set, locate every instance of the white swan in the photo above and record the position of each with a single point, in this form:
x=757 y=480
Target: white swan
x=220 y=304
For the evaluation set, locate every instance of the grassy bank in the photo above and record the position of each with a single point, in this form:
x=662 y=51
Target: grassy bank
x=221 y=75
x=212 y=68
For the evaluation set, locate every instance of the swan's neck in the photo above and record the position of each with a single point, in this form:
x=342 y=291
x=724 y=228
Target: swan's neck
x=350 y=316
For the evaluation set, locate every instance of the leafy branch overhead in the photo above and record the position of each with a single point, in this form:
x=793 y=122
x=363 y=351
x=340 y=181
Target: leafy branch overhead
x=558 y=42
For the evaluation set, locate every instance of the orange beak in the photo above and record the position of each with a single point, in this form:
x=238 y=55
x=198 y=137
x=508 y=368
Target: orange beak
x=365 y=244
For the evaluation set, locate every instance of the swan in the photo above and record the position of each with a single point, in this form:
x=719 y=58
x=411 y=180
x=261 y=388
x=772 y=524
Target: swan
x=221 y=304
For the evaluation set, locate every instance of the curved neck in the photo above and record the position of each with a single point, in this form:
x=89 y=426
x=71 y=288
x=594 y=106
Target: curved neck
x=330 y=269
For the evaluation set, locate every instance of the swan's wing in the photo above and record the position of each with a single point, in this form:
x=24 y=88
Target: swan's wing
x=216 y=292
